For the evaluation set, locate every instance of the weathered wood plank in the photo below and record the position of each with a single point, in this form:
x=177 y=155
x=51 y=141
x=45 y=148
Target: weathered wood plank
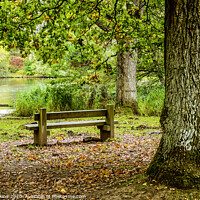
x=110 y=119
x=108 y=133
x=75 y=124
x=40 y=130
x=42 y=136
x=67 y=124
x=36 y=136
x=34 y=127
x=73 y=114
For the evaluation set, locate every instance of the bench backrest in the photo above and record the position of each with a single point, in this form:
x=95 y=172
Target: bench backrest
x=73 y=114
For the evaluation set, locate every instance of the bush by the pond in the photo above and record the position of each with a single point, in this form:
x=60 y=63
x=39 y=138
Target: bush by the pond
x=30 y=101
x=61 y=96
x=58 y=96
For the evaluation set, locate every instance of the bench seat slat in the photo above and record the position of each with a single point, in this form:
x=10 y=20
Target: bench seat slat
x=73 y=114
x=68 y=124
x=75 y=124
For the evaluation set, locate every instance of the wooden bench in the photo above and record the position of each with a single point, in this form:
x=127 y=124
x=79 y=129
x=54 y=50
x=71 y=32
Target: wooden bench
x=40 y=129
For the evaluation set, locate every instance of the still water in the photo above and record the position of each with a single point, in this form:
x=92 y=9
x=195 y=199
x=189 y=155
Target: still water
x=9 y=88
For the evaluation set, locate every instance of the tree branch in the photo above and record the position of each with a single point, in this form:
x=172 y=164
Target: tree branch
x=102 y=26
x=106 y=60
x=45 y=10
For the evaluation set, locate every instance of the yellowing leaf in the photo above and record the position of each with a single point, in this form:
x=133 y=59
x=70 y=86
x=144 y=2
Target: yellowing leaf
x=63 y=191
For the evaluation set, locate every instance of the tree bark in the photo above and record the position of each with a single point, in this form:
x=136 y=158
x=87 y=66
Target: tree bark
x=126 y=94
x=177 y=159
x=126 y=91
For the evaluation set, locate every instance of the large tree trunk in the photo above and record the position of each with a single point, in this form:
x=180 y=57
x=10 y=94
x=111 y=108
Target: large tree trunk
x=177 y=159
x=126 y=94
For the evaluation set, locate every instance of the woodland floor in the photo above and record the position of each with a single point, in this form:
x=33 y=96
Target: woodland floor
x=69 y=168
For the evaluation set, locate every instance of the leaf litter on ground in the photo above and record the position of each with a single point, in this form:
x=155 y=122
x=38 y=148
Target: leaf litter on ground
x=69 y=166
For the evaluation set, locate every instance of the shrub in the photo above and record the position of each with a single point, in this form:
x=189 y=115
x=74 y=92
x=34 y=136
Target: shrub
x=30 y=101
x=13 y=69
x=4 y=62
x=57 y=96
x=17 y=62
x=151 y=98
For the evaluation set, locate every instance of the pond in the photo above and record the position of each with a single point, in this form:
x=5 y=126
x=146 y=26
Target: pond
x=9 y=88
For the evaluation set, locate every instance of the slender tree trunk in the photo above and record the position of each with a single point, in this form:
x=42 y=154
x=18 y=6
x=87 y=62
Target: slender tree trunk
x=126 y=94
x=126 y=80
x=177 y=159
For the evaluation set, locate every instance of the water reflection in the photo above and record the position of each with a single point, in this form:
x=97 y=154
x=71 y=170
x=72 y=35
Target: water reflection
x=6 y=111
x=9 y=88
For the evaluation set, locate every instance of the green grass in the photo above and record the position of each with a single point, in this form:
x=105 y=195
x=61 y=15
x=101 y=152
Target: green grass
x=13 y=128
x=136 y=125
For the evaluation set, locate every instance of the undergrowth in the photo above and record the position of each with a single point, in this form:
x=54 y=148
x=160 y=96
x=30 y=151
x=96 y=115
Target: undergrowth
x=58 y=95
x=150 y=99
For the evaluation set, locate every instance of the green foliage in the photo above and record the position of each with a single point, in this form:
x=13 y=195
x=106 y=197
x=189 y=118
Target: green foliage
x=151 y=53
x=60 y=95
x=27 y=67
x=38 y=68
x=91 y=32
x=28 y=102
x=27 y=62
x=15 y=52
x=76 y=96
x=63 y=97
x=28 y=70
x=13 y=69
x=83 y=33
x=150 y=98
x=4 y=62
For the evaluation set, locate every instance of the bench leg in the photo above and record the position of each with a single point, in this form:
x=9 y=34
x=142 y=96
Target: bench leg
x=110 y=119
x=104 y=135
x=36 y=137
x=42 y=136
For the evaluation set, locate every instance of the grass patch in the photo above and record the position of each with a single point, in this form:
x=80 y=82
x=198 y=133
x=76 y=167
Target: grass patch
x=13 y=129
